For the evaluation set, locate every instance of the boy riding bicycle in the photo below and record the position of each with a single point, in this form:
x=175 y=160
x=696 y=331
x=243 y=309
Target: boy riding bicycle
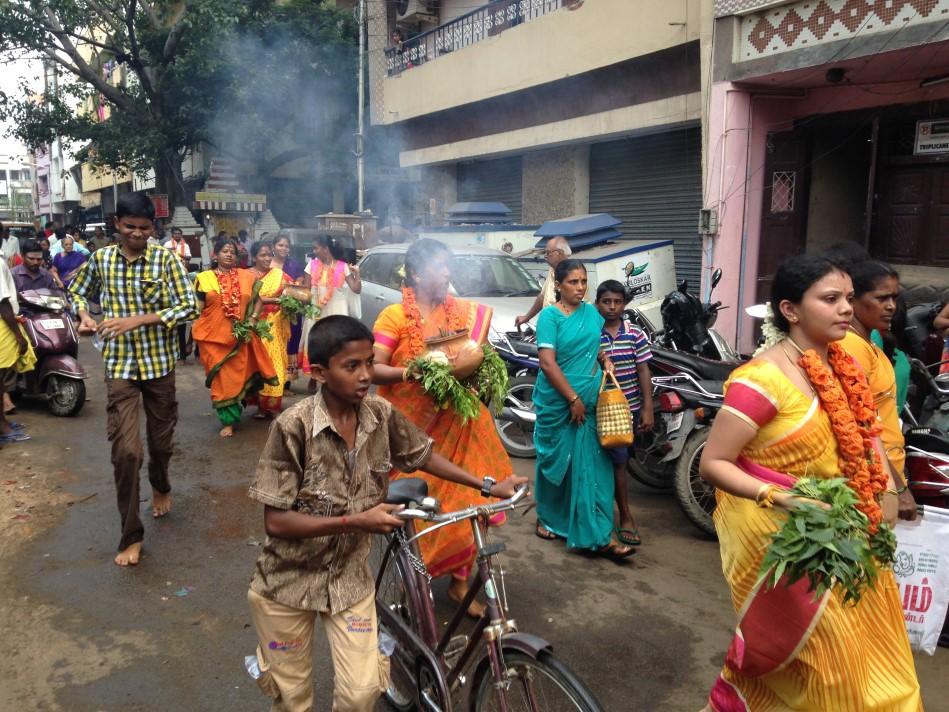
x=322 y=478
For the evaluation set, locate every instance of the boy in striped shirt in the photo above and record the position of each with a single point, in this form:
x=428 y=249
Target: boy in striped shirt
x=628 y=348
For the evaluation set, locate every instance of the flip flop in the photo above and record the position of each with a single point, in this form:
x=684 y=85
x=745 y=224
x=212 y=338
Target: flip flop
x=614 y=551
x=14 y=436
x=16 y=426
x=542 y=532
x=629 y=536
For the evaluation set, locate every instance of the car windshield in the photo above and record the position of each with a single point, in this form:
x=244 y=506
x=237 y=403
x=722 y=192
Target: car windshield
x=491 y=276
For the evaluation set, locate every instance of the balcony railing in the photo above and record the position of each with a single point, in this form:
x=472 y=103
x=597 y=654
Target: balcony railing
x=468 y=29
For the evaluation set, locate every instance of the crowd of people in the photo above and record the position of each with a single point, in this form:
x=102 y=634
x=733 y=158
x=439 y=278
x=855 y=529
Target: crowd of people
x=792 y=411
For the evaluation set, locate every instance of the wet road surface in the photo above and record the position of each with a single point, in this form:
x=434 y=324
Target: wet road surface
x=171 y=634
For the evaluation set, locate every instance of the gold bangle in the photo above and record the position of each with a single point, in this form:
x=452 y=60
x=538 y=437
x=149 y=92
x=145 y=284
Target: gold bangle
x=765 y=496
x=405 y=375
x=891 y=491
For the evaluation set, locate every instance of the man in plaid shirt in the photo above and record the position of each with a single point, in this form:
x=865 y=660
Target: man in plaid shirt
x=145 y=293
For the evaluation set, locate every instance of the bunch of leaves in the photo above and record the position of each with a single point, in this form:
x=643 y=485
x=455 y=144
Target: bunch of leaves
x=490 y=381
x=447 y=391
x=246 y=329
x=293 y=309
x=830 y=544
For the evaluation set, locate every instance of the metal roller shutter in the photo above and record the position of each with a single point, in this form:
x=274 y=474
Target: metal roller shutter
x=497 y=180
x=654 y=185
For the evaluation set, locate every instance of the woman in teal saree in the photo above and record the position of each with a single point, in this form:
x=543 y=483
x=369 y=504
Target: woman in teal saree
x=573 y=484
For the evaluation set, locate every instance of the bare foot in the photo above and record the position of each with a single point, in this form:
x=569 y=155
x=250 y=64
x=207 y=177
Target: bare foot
x=130 y=555
x=457 y=590
x=161 y=503
x=227 y=431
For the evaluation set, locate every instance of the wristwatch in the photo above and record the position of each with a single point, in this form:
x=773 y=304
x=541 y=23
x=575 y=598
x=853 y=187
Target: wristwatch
x=489 y=482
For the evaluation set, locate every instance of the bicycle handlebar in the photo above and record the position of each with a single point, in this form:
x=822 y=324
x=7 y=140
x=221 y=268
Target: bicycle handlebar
x=463 y=514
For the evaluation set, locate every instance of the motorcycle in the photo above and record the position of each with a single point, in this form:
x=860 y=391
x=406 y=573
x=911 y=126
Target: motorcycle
x=687 y=324
x=58 y=376
x=515 y=423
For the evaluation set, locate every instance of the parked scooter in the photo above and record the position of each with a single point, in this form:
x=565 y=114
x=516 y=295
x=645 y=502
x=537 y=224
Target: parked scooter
x=687 y=324
x=515 y=423
x=58 y=375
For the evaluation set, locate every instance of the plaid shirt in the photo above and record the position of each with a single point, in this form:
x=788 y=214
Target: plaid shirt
x=154 y=283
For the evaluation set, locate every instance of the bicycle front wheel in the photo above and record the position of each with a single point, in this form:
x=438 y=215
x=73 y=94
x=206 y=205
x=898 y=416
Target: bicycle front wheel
x=543 y=684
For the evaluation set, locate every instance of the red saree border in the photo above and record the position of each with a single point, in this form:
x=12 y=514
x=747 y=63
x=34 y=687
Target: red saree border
x=759 y=646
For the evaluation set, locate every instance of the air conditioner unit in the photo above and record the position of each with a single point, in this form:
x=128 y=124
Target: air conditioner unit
x=410 y=11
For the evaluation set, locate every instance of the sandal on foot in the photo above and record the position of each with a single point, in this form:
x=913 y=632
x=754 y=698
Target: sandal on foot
x=14 y=436
x=616 y=551
x=544 y=533
x=629 y=535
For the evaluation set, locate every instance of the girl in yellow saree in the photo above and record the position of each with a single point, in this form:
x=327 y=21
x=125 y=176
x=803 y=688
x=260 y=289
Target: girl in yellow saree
x=792 y=651
x=272 y=281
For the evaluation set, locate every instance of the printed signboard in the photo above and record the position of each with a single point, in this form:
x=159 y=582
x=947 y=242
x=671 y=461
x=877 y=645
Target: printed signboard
x=161 y=205
x=932 y=136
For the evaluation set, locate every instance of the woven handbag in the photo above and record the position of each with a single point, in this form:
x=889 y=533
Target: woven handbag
x=614 y=425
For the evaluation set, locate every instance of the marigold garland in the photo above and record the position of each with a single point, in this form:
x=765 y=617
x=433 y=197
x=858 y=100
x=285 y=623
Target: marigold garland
x=325 y=280
x=453 y=318
x=848 y=402
x=230 y=286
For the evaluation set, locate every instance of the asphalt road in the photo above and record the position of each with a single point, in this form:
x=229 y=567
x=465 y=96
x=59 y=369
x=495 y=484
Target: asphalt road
x=82 y=634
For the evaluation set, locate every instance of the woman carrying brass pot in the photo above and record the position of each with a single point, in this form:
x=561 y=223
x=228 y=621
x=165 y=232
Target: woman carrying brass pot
x=428 y=311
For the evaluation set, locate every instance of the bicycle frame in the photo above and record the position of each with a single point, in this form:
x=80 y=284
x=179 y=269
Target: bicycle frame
x=492 y=631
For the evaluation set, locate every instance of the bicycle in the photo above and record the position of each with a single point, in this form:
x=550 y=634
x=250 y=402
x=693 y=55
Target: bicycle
x=514 y=671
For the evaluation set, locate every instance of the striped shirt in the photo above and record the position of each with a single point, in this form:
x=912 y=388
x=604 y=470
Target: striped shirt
x=628 y=349
x=153 y=283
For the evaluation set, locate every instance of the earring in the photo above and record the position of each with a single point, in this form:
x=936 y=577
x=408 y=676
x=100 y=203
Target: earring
x=794 y=320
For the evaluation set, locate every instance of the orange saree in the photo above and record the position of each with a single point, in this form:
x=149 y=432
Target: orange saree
x=474 y=445
x=232 y=375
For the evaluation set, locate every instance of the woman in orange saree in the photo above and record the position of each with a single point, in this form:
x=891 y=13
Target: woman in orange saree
x=426 y=311
x=803 y=408
x=234 y=369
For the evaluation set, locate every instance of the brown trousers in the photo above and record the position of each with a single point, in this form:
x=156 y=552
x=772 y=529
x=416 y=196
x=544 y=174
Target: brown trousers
x=285 y=655
x=161 y=414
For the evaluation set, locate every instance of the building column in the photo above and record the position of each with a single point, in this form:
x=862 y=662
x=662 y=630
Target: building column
x=556 y=184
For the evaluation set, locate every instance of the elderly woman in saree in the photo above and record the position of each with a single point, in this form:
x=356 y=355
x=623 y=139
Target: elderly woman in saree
x=428 y=310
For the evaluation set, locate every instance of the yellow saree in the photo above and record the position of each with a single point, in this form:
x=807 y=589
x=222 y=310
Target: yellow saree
x=845 y=658
x=270 y=398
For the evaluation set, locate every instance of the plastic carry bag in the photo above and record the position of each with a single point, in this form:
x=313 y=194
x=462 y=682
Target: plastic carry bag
x=922 y=572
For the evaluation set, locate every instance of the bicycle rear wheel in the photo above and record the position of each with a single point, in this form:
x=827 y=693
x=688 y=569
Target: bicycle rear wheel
x=543 y=684
x=391 y=595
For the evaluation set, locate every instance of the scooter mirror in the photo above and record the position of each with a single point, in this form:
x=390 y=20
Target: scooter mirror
x=716 y=277
x=684 y=286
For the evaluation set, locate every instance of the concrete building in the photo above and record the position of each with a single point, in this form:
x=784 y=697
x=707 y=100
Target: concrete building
x=553 y=107
x=16 y=189
x=827 y=121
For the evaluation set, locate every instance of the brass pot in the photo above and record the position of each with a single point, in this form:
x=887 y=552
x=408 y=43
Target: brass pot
x=463 y=357
x=301 y=294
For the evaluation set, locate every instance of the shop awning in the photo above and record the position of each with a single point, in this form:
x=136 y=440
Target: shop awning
x=231 y=202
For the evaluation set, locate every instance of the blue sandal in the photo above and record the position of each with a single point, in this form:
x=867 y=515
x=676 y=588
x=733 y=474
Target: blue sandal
x=14 y=436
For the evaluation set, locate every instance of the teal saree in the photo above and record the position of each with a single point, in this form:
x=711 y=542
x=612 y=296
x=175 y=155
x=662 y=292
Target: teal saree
x=573 y=484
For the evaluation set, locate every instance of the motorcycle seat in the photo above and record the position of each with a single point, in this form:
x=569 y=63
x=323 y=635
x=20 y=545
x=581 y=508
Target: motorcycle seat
x=406 y=491
x=525 y=348
x=716 y=387
x=705 y=368
x=927 y=439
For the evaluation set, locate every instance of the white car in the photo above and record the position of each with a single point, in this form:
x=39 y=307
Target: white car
x=479 y=274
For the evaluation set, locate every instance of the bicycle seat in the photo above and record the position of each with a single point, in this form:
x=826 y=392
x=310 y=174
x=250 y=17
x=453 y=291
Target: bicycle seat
x=406 y=491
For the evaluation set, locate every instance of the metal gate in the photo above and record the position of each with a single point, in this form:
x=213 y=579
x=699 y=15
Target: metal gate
x=654 y=185
x=497 y=180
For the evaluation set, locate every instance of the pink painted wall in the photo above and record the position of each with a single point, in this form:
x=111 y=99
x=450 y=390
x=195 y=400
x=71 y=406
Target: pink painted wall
x=738 y=125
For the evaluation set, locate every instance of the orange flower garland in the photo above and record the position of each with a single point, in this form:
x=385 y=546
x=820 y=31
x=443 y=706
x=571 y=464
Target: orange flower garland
x=416 y=337
x=230 y=292
x=848 y=402
x=325 y=280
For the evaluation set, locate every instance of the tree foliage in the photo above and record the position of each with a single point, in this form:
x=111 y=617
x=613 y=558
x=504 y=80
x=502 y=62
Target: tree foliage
x=262 y=82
